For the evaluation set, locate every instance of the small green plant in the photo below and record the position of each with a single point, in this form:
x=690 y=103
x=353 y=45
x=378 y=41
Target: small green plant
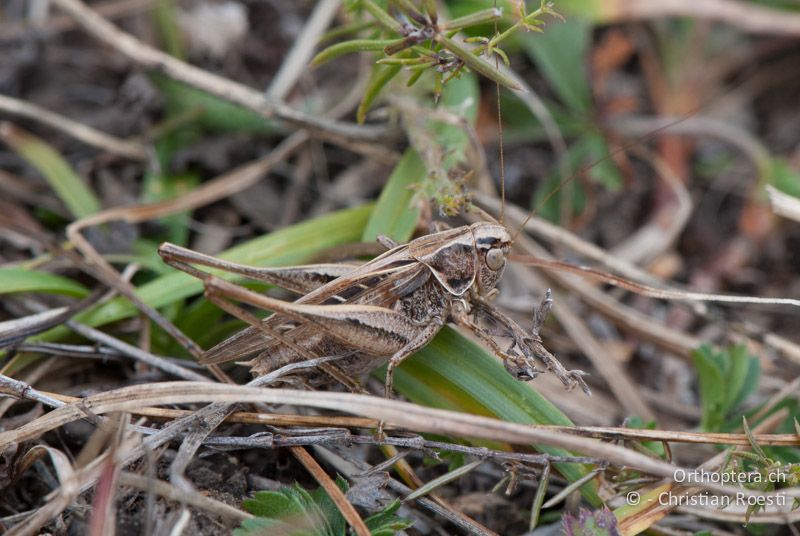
x=298 y=512
x=726 y=377
x=413 y=36
x=761 y=472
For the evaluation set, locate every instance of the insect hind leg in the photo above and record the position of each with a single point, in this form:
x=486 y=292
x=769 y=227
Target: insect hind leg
x=217 y=297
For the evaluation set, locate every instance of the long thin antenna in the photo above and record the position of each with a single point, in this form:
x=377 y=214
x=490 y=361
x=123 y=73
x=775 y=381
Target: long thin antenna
x=500 y=137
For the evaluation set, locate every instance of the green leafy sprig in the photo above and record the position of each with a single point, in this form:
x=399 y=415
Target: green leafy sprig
x=411 y=37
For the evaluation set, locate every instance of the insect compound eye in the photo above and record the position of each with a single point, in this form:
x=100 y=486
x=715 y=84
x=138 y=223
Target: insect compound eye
x=495 y=259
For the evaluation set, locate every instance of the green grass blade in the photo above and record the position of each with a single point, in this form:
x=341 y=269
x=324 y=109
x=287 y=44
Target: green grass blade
x=431 y=485
x=166 y=21
x=70 y=188
x=560 y=53
x=215 y=114
x=393 y=214
x=25 y=280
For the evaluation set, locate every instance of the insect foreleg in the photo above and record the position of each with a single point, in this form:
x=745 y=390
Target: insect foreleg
x=516 y=364
x=530 y=344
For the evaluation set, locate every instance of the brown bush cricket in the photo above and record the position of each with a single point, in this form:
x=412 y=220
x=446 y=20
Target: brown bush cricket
x=384 y=309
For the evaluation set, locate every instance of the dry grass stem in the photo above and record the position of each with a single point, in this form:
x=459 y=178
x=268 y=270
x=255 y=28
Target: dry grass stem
x=133 y=352
x=399 y=413
x=79 y=131
x=341 y=421
x=299 y=56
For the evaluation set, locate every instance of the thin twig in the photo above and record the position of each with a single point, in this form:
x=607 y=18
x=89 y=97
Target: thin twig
x=18 y=329
x=652 y=292
x=135 y=353
x=22 y=390
x=297 y=60
x=91 y=352
x=424 y=419
x=79 y=131
x=339 y=435
x=214 y=414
